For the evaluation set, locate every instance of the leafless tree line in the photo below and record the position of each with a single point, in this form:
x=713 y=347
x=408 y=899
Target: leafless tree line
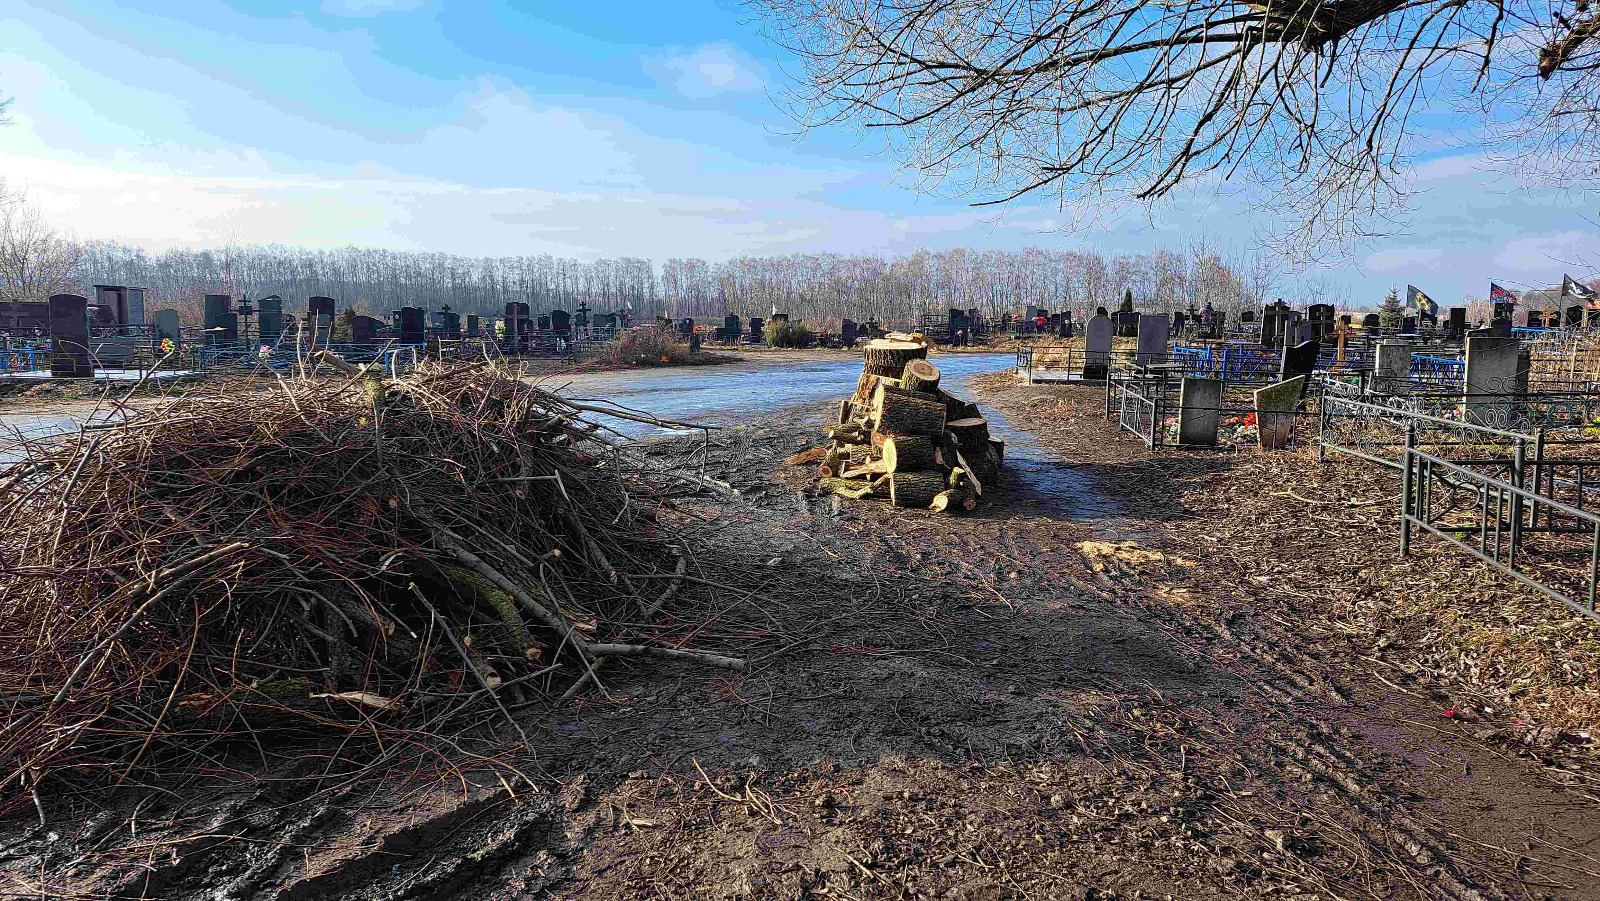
x=812 y=286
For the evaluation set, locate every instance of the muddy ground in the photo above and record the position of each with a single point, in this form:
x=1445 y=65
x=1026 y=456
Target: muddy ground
x=1039 y=700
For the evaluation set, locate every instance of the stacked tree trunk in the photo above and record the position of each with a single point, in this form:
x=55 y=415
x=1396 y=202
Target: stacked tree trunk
x=902 y=437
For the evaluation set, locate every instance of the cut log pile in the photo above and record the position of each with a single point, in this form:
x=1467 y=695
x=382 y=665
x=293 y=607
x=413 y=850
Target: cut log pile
x=902 y=437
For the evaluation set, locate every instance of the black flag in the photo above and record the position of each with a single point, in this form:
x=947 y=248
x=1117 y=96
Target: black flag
x=1418 y=300
x=1571 y=287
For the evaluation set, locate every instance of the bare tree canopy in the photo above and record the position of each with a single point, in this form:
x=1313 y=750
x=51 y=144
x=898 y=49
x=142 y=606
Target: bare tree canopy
x=1311 y=104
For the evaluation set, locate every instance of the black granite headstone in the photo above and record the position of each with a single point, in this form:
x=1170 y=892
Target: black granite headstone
x=319 y=306
x=560 y=322
x=1247 y=316
x=1408 y=325
x=364 y=330
x=1372 y=320
x=269 y=321
x=472 y=325
x=847 y=332
x=1299 y=359
x=69 y=337
x=229 y=323
x=412 y=325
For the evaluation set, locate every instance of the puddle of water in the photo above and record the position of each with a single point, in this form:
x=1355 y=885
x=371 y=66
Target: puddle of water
x=1039 y=482
x=19 y=429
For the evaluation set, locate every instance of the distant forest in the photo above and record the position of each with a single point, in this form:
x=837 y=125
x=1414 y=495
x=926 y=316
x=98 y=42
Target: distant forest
x=819 y=287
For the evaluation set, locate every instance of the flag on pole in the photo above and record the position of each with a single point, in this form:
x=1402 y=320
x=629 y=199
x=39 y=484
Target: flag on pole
x=1571 y=287
x=1418 y=300
x=1498 y=294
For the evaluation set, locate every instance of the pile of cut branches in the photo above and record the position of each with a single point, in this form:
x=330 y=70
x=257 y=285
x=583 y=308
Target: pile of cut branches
x=352 y=555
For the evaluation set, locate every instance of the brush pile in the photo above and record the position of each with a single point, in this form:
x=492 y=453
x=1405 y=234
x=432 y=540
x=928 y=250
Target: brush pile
x=342 y=556
x=902 y=437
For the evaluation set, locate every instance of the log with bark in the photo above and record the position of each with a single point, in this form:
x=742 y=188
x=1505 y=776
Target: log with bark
x=832 y=464
x=922 y=376
x=901 y=412
x=999 y=448
x=846 y=410
x=850 y=488
x=861 y=400
x=953 y=499
x=915 y=489
x=956 y=408
x=889 y=358
x=970 y=434
x=908 y=453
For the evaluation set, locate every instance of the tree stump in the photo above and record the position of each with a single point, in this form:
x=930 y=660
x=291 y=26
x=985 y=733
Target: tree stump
x=905 y=453
x=999 y=448
x=902 y=412
x=914 y=489
x=889 y=358
x=920 y=376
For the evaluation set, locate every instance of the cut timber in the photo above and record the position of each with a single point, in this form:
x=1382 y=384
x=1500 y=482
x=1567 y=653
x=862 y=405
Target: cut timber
x=954 y=499
x=901 y=412
x=956 y=408
x=845 y=409
x=920 y=375
x=901 y=453
x=971 y=434
x=851 y=488
x=914 y=489
x=865 y=386
x=999 y=448
x=889 y=358
x=832 y=464
x=982 y=466
x=875 y=468
x=849 y=433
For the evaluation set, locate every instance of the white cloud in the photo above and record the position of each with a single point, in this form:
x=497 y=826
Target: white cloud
x=708 y=70
x=361 y=8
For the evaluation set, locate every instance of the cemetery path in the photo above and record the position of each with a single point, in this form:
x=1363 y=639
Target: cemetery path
x=1017 y=704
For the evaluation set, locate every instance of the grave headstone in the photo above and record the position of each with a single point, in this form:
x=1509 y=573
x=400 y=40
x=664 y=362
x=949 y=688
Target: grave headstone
x=473 y=324
x=320 y=306
x=1199 y=411
x=1535 y=319
x=413 y=325
x=1127 y=325
x=560 y=322
x=758 y=330
x=1299 y=359
x=1097 y=347
x=1496 y=369
x=847 y=332
x=1179 y=320
x=320 y=328
x=166 y=325
x=779 y=317
x=69 y=337
x=1408 y=325
x=1247 y=316
x=269 y=319
x=1154 y=330
x=1275 y=412
x=1372 y=320
x=1391 y=367
x=544 y=323
x=364 y=330
x=1574 y=315
x=1458 y=321
x=216 y=305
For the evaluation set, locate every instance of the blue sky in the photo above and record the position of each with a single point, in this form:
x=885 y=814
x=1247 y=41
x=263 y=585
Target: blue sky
x=581 y=130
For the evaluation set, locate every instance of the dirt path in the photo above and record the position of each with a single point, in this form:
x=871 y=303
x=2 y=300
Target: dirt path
x=999 y=706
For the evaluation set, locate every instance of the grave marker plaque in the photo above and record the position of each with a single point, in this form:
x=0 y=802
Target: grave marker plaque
x=1154 y=330
x=69 y=337
x=1200 y=410
x=1391 y=368
x=1299 y=359
x=270 y=319
x=1275 y=412
x=166 y=325
x=1496 y=368
x=1097 y=347
x=412 y=326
